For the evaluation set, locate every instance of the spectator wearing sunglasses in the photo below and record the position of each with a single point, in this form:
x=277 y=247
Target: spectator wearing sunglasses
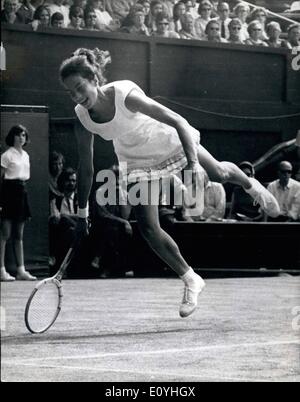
x=163 y=27
x=235 y=28
x=255 y=33
x=76 y=18
x=259 y=14
x=241 y=11
x=287 y=193
x=204 y=10
x=213 y=32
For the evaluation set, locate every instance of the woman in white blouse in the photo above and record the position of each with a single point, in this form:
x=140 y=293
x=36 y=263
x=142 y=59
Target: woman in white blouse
x=15 y=171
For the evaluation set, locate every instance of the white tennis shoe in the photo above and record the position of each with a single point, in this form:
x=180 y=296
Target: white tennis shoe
x=264 y=198
x=190 y=297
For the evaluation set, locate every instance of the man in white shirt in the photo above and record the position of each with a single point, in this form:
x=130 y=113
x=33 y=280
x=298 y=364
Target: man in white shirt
x=223 y=12
x=287 y=192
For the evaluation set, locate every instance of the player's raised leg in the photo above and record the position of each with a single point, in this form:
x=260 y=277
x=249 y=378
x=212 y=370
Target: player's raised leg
x=229 y=172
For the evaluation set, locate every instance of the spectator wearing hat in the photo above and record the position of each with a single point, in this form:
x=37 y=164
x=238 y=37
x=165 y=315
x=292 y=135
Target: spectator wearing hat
x=293 y=39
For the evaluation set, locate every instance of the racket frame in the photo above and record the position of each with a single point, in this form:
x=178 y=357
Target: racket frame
x=56 y=279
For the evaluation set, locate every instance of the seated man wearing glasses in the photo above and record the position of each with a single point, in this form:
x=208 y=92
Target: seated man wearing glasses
x=287 y=192
x=163 y=27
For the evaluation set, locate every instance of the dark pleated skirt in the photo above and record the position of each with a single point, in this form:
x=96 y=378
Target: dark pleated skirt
x=14 y=200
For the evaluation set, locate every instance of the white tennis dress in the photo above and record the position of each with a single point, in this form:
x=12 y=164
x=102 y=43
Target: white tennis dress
x=151 y=149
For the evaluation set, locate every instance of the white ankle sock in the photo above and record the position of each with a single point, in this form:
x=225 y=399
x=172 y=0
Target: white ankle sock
x=189 y=277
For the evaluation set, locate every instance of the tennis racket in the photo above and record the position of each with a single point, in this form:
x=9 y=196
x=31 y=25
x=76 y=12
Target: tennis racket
x=44 y=303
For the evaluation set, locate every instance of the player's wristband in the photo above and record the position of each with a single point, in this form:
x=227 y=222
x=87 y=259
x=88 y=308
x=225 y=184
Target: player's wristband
x=83 y=213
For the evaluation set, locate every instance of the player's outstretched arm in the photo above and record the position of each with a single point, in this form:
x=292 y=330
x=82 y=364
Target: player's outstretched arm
x=85 y=144
x=138 y=102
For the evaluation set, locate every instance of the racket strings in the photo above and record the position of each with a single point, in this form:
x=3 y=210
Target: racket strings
x=43 y=307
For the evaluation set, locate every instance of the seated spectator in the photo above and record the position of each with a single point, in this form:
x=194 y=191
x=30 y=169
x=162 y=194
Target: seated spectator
x=242 y=206
x=63 y=216
x=178 y=11
x=242 y=11
x=214 y=201
x=10 y=13
x=59 y=6
x=259 y=14
x=223 y=18
x=134 y=23
x=172 y=205
x=111 y=232
x=56 y=165
x=156 y=7
x=273 y=31
x=76 y=18
x=287 y=192
x=146 y=6
x=105 y=22
x=57 y=20
x=187 y=23
x=41 y=18
x=118 y=9
x=213 y=32
x=189 y=8
x=235 y=27
x=204 y=10
x=90 y=19
x=293 y=39
x=255 y=30
x=163 y=27
x=27 y=10
x=169 y=8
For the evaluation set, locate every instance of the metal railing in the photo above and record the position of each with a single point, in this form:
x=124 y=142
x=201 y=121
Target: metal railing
x=270 y=12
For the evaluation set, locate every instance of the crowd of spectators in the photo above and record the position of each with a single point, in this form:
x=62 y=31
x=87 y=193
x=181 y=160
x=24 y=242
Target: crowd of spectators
x=214 y=21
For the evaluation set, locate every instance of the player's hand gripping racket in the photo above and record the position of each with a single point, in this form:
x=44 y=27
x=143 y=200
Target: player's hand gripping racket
x=44 y=303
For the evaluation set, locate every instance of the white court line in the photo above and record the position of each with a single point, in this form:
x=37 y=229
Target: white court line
x=140 y=372
x=161 y=351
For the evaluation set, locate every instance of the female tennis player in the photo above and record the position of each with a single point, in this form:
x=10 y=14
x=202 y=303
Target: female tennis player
x=15 y=171
x=154 y=142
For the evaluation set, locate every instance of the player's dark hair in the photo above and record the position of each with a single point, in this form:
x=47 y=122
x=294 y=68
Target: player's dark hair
x=87 y=63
